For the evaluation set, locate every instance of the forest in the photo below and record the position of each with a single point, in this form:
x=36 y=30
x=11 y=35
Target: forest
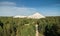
x=49 y=26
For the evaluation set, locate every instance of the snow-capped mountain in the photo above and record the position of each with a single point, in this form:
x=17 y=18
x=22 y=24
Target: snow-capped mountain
x=34 y=16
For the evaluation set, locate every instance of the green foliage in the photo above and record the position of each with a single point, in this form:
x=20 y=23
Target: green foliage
x=10 y=26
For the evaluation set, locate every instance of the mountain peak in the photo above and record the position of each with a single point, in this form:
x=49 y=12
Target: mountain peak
x=34 y=16
x=36 y=13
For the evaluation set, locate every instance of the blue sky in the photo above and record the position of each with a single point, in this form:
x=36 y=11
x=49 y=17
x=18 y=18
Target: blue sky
x=28 y=7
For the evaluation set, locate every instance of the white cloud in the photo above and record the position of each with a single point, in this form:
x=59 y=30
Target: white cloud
x=7 y=4
x=16 y=11
x=6 y=9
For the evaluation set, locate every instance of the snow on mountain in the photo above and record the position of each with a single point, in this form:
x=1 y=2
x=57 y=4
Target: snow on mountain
x=19 y=16
x=34 y=16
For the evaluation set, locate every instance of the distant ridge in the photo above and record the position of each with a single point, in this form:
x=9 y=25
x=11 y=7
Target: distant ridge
x=34 y=16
